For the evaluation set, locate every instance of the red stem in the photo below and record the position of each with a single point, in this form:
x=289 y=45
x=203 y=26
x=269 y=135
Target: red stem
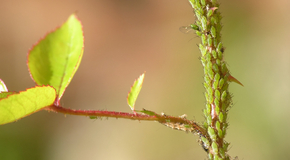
x=96 y=113
x=179 y=123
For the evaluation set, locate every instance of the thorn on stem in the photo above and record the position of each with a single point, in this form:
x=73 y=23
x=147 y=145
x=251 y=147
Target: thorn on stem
x=233 y=79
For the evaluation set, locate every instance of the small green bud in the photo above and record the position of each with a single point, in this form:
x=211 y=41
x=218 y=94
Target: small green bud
x=213 y=2
x=221 y=83
x=212 y=30
x=202 y=2
x=214 y=148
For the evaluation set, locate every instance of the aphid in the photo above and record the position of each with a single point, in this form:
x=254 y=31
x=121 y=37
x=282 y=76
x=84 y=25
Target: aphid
x=189 y=29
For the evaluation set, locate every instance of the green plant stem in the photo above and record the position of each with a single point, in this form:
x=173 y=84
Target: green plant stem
x=179 y=123
x=216 y=76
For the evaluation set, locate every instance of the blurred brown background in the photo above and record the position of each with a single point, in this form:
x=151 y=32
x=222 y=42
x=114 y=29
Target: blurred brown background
x=124 y=38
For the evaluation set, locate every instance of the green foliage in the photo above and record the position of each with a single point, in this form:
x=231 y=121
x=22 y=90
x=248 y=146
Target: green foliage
x=55 y=59
x=24 y=103
x=52 y=61
x=134 y=92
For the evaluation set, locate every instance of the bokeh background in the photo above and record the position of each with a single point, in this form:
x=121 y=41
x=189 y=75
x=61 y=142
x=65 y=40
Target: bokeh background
x=124 y=38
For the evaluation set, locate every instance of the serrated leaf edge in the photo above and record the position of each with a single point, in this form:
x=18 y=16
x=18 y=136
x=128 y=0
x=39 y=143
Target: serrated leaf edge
x=15 y=93
x=138 y=82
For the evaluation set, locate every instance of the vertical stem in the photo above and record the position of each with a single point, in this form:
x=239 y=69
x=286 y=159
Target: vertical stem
x=216 y=76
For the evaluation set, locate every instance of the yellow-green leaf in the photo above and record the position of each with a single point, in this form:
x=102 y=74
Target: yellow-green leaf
x=24 y=103
x=55 y=59
x=135 y=89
